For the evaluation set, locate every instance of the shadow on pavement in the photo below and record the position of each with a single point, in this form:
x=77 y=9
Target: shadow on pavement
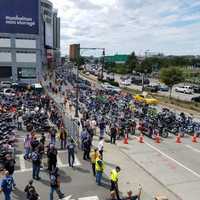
x=19 y=194
x=82 y=170
x=45 y=182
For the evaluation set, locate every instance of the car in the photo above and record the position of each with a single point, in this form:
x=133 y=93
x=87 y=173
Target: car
x=108 y=87
x=20 y=86
x=152 y=88
x=126 y=82
x=138 y=81
x=163 y=88
x=5 y=84
x=184 y=89
x=149 y=101
x=8 y=92
x=87 y=73
x=196 y=89
x=196 y=99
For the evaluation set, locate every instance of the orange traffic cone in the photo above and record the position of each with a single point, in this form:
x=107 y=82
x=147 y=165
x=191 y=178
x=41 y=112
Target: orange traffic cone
x=157 y=139
x=178 y=138
x=126 y=139
x=141 y=138
x=194 y=138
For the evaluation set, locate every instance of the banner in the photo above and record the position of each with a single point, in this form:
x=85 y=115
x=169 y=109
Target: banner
x=19 y=16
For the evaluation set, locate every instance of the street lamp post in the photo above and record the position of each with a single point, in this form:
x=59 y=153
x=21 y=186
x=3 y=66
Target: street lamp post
x=77 y=92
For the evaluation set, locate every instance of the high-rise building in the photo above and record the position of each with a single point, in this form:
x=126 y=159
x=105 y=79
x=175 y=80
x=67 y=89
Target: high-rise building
x=27 y=39
x=74 y=52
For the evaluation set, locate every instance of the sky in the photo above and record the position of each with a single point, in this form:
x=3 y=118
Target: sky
x=171 y=27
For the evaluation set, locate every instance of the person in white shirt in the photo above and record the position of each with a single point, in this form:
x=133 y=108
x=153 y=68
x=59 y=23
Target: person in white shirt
x=100 y=147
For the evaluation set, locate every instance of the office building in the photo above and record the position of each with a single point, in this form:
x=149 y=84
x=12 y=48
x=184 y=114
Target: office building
x=26 y=36
x=74 y=52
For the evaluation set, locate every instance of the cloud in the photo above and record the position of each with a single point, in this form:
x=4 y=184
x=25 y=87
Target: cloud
x=123 y=26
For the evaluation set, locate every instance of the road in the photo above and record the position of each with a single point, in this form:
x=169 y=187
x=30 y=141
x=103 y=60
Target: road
x=176 y=95
x=77 y=183
x=175 y=166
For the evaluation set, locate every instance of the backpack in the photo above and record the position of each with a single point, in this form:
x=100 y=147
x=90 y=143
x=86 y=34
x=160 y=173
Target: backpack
x=53 y=180
x=9 y=182
x=35 y=156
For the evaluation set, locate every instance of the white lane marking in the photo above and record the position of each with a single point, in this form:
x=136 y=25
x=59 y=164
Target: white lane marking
x=22 y=162
x=67 y=198
x=192 y=148
x=59 y=162
x=89 y=198
x=172 y=159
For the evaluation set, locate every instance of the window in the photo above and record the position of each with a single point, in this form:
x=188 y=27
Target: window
x=26 y=72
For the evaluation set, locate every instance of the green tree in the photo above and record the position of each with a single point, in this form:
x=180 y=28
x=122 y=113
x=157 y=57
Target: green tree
x=131 y=62
x=171 y=76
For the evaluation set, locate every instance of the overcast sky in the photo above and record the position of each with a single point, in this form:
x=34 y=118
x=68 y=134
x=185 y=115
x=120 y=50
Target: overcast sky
x=123 y=26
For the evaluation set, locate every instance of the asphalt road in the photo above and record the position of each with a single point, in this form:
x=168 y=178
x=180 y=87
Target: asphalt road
x=176 y=95
x=174 y=165
x=77 y=183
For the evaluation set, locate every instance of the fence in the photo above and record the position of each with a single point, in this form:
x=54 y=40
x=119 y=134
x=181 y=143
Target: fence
x=71 y=125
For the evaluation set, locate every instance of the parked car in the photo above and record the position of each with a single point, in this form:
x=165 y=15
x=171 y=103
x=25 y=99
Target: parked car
x=184 y=89
x=138 y=81
x=5 y=84
x=196 y=99
x=196 y=89
x=126 y=82
x=7 y=92
x=108 y=87
x=163 y=88
x=149 y=101
x=151 y=88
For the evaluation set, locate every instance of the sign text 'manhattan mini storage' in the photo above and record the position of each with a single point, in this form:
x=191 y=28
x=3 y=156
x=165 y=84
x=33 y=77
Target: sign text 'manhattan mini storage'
x=19 y=16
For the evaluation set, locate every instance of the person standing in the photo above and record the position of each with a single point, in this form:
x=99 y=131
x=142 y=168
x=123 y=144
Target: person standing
x=63 y=138
x=100 y=147
x=102 y=127
x=93 y=157
x=36 y=162
x=86 y=148
x=6 y=186
x=55 y=184
x=99 y=167
x=9 y=165
x=71 y=153
x=27 y=146
x=52 y=157
x=114 y=177
x=113 y=134
x=53 y=136
x=19 y=122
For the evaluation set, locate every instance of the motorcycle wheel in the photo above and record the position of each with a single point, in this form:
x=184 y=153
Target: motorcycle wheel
x=165 y=134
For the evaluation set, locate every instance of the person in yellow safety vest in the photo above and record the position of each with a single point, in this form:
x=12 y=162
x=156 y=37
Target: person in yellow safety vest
x=93 y=156
x=114 y=177
x=99 y=167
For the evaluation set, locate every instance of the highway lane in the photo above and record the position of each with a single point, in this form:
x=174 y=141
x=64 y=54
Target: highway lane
x=175 y=165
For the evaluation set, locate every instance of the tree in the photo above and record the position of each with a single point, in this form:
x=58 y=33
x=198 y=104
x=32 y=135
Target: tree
x=131 y=62
x=171 y=76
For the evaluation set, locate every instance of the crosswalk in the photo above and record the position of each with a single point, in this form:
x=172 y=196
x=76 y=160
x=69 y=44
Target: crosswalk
x=26 y=166
x=81 y=198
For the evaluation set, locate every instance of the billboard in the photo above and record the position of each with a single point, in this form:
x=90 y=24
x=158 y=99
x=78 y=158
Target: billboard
x=19 y=16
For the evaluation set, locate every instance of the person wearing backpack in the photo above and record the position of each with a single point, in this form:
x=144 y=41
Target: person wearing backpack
x=6 y=185
x=36 y=162
x=55 y=184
